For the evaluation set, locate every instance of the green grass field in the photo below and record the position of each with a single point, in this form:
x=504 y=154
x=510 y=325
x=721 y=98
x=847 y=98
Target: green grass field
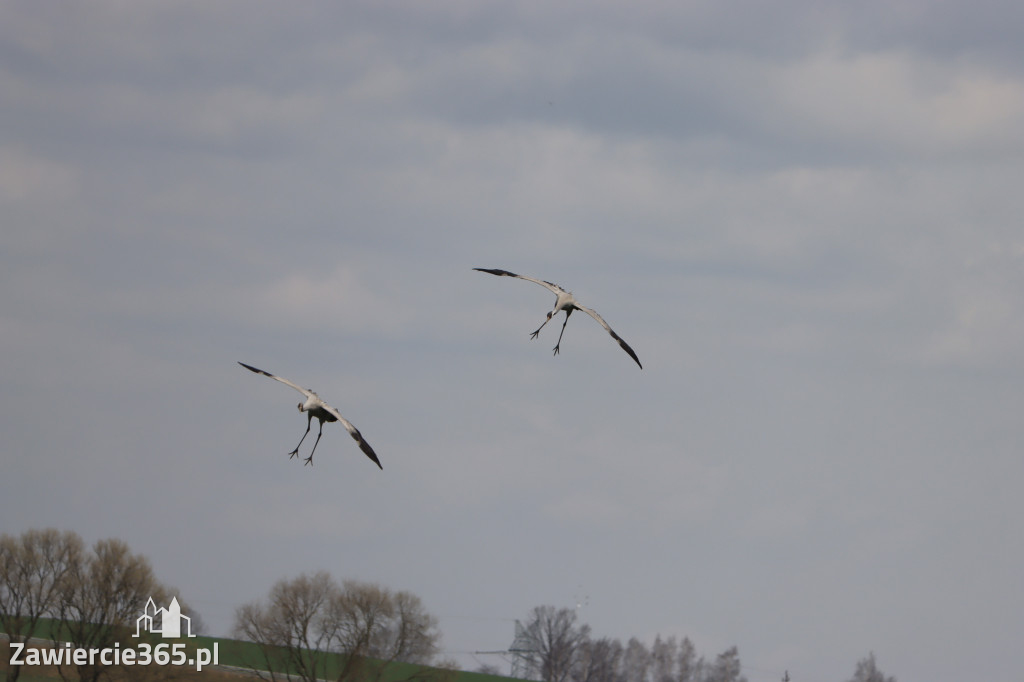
x=235 y=656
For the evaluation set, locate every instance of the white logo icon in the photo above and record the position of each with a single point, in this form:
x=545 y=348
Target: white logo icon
x=169 y=620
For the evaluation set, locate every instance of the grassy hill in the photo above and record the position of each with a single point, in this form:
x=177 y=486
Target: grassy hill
x=237 y=659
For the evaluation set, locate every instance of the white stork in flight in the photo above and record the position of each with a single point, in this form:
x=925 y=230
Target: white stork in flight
x=314 y=407
x=565 y=301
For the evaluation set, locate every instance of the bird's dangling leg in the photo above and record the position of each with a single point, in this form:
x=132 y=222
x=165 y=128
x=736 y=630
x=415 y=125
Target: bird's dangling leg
x=534 y=334
x=309 y=460
x=568 y=312
x=295 y=452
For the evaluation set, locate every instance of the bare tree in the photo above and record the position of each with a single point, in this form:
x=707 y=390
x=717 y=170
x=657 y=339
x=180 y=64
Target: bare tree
x=598 y=661
x=289 y=628
x=101 y=597
x=553 y=640
x=32 y=571
x=689 y=668
x=374 y=627
x=413 y=635
x=92 y=597
x=636 y=661
x=663 y=659
x=867 y=671
x=308 y=620
x=726 y=668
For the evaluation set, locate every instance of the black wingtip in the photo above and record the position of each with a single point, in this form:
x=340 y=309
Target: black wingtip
x=365 y=447
x=629 y=350
x=625 y=346
x=371 y=454
x=499 y=273
x=253 y=369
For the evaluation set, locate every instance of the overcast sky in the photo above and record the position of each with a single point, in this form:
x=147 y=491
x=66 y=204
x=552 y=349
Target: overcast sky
x=805 y=217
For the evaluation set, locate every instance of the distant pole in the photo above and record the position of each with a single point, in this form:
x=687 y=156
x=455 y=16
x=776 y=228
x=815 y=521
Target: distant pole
x=521 y=651
x=785 y=678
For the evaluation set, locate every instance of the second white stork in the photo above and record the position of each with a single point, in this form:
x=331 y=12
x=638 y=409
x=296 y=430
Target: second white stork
x=565 y=301
x=314 y=407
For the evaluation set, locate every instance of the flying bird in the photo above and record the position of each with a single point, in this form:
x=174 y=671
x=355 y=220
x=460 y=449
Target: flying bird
x=565 y=301
x=314 y=407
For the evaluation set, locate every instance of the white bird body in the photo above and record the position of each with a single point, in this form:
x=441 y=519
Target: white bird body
x=318 y=408
x=565 y=301
x=315 y=407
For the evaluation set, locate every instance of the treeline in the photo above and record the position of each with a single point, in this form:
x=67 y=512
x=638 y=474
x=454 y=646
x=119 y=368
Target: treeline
x=551 y=646
x=54 y=587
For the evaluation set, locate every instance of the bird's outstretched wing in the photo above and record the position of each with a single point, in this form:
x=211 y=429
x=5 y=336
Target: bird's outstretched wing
x=553 y=288
x=304 y=391
x=625 y=346
x=358 y=437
